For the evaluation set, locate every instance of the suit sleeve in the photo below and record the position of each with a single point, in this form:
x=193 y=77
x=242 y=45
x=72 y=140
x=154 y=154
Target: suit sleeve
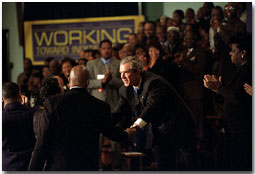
x=93 y=82
x=39 y=154
x=197 y=66
x=122 y=113
x=237 y=95
x=156 y=102
x=109 y=130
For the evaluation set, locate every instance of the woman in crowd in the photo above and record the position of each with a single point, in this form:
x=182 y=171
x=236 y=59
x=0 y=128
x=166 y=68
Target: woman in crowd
x=66 y=65
x=49 y=87
x=159 y=66
x=237 y=108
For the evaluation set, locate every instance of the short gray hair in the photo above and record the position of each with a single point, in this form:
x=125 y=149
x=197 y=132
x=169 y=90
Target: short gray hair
x=135 y=63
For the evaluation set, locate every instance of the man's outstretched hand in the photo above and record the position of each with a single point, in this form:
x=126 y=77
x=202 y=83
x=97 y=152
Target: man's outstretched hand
x=131 y=133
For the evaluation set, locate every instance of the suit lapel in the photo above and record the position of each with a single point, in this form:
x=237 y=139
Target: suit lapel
x=132 y=96
x=101 y=66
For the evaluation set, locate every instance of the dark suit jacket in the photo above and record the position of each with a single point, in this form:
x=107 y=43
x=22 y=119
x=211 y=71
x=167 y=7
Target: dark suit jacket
x=71 y=126
x=193 y=68
x=167 y=70
x=18 y=136
x=157 y=103
x=237 y=108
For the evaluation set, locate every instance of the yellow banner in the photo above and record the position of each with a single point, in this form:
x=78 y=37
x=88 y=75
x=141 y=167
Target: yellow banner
x=67 y=37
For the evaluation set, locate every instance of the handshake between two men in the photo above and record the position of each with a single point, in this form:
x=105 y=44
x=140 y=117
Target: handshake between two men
x=139 y=123
x=132 y=132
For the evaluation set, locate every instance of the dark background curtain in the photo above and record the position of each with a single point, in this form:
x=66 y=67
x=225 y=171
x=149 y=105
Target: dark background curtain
x=66 y=10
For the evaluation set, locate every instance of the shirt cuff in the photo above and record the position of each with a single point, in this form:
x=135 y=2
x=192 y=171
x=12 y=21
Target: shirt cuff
x=140 y=122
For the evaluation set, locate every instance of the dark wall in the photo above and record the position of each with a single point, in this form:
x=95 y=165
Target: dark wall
x=66 y=10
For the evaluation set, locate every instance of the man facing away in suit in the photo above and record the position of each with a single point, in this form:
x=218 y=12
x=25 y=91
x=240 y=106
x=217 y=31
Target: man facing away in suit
x=17 y=127
x=149 y=98
x=71 y=127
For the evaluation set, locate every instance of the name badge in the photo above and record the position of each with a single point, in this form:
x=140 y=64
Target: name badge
x=100 y=76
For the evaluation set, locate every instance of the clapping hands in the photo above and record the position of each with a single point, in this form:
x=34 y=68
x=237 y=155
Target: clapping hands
x=212 y=82
x=107 y=76
x=248 y=88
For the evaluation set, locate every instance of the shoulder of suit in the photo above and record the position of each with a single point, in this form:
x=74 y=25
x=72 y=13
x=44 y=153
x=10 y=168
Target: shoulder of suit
x=122 y=88
x=55 y=98
x=151 y=78
x=93 y=62
x=99 y=103
x=115 y=60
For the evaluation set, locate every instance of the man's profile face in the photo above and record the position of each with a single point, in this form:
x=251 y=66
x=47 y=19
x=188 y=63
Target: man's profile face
x=128 y=76
x=106 y=50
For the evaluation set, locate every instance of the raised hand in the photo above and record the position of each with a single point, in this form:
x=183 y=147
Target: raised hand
x=248 y=89
x=24 y=100
x=212 y=82
x=107 y=76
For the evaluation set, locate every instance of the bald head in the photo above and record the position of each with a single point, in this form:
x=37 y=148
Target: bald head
x=79 y=76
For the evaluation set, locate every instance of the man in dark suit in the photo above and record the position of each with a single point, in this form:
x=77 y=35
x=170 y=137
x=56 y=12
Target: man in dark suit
x=193 y=63
x=148 y=98
x=71 y=128
x=18 y=134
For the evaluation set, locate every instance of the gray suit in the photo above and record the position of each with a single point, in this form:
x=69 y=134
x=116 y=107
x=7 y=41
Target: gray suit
x=110 y=91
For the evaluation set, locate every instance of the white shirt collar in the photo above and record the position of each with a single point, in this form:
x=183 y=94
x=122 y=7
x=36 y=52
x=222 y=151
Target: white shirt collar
x=75 y=87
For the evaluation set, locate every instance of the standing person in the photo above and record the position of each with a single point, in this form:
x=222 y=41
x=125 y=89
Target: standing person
x=66 y=65
x=178 y=16
x=104 y=77
x=17 y=127
x=161 y=35
x=161 y=67
x=174 y=43
x=71 y=127
x=148 y=98
x=149 y=33
x=237 y=107
x=190 y=16
x=132 y=39
x=194 y=62
x=23 y=78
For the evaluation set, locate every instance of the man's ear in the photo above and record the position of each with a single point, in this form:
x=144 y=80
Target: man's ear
x=244 y=52
x=139 y=71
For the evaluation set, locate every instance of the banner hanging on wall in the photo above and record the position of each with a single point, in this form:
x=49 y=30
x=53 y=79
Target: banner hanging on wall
x=67 y=37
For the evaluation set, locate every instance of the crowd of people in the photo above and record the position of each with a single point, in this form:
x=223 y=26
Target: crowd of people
x=151 y=95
